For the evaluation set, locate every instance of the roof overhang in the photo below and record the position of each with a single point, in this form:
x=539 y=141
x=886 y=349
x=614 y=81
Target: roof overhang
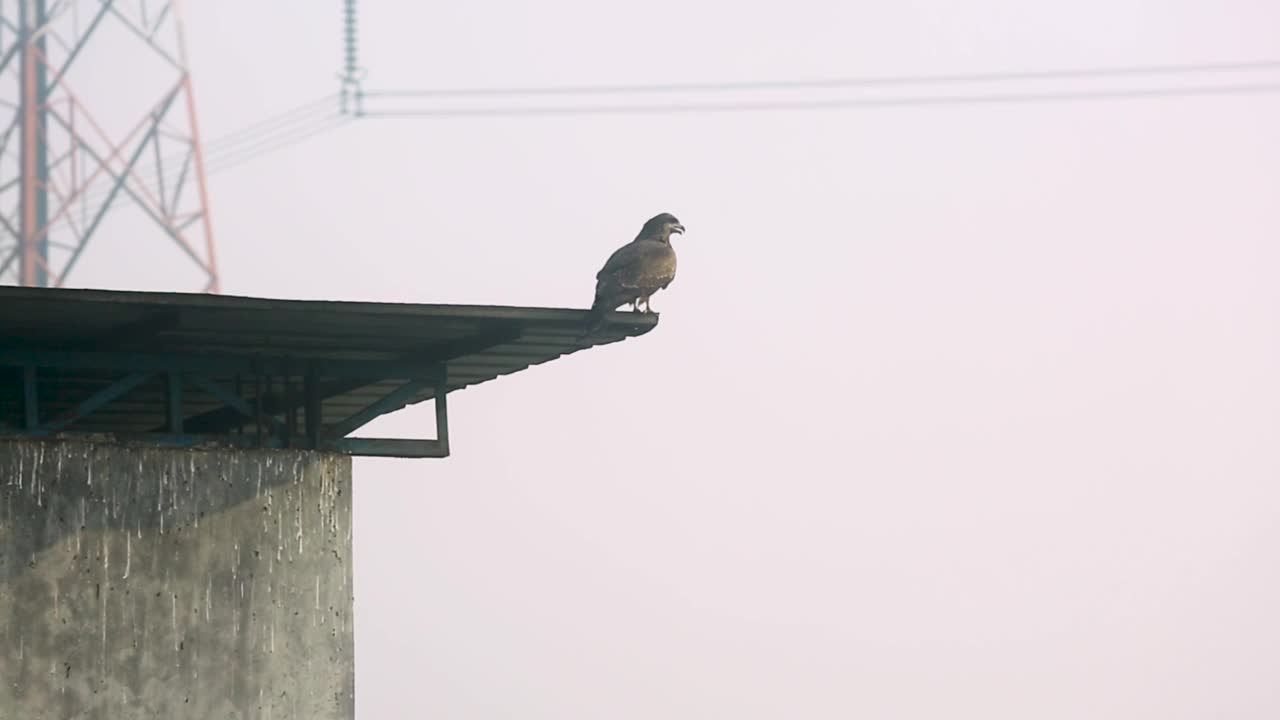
x=194 y=369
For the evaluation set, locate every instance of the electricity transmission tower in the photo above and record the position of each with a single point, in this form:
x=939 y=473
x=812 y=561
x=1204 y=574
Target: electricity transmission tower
x=96 y=112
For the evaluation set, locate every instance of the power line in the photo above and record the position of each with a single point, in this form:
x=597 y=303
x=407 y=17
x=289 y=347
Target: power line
x=831 y=104
x=228 y=161
x=266 y=138
x=255 y=140
x=322 y=105
x=319 y=116
x=307 y=115
x=834 y=83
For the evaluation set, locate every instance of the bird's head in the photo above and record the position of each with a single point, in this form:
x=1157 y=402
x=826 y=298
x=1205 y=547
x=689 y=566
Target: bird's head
x=661 y=227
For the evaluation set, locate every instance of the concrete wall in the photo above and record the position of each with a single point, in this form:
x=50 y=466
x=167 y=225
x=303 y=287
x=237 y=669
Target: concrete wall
x=138 y=582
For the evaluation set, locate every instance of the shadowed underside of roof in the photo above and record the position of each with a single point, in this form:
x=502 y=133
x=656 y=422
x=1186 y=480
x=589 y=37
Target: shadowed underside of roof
x=241 y=361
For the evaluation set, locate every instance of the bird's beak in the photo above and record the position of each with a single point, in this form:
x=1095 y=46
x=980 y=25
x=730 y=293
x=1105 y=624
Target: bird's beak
x=677 y=228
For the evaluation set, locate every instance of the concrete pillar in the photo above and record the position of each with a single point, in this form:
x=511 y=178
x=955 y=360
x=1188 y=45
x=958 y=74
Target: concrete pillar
x=141 y=582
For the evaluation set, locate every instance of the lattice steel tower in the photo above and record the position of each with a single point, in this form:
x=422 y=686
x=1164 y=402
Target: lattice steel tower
x=102 y=118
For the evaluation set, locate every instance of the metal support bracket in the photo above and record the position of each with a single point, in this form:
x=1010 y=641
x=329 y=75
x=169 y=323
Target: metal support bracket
x=99 y=399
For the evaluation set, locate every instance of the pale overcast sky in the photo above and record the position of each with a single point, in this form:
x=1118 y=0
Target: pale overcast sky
x=953 y=412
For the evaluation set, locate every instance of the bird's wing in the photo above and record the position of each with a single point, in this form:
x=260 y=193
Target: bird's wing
x=638 y=264
x=621 y=258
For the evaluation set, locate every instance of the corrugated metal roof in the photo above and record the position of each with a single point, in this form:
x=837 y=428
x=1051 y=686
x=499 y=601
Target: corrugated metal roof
x=474 y=343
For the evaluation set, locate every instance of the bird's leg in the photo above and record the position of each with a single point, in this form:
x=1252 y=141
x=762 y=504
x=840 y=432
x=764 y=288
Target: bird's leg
x=631 y=306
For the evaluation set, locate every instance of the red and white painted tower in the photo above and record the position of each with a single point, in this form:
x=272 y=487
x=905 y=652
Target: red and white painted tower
x=97 y=114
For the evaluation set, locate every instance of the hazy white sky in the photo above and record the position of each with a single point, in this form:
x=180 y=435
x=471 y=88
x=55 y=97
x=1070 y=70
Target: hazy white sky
x=961 y=412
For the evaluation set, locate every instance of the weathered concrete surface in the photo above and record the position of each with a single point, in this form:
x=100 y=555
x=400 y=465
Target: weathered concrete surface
x=138 y=582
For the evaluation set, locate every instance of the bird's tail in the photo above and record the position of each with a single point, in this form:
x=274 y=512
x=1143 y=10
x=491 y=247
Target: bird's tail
x=595 y=318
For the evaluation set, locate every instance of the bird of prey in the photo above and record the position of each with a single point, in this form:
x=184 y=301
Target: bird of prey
x=636 y=270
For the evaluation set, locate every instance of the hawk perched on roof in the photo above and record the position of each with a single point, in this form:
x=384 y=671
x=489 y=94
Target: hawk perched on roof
x=636 y=270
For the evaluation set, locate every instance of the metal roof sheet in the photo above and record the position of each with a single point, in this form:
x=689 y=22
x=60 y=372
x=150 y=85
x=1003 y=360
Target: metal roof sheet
x=473 y=344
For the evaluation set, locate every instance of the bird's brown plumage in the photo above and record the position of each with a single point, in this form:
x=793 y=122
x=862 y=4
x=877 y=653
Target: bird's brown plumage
x=637 y=270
